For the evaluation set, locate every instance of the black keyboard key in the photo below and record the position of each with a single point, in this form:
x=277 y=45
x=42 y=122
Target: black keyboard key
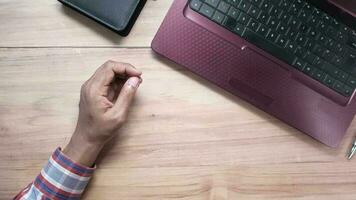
x=310 y=57
x=285 y=17
x=310 y=44
x=335 y=23
x=272 y=36
x=308 y=8
x=253 y=25
x=244 y=6
x=318 y=50
x=316 y=12
x=299 y=64
x=342 y=88
x=292 y=35
x=313 y=21
x=303 y=29
x=262 y=31
x=213 y=3
x=318 y=62
x=206 y=10
x=301 y=40
x=308 y=69
x=341 y=36
x=273 y=23
x=351 y=82
x=291 y=46
x=322 y=39
x=300 y=52
x=275 y=12
x=282 y=28
x=322 y=27
x=230 y=23
x=343 y=76
x=336 y=60
x=195 y=4
x=327 y=55
x=243 y=19
x=269 y=47
x=263 y=18
x=281 y=41
x=339 y=49
x=218 y=17
x=326 y=19
x=239 y=29
x=319 y=75
x=329 y=81
x=275 y=2
x=293 y=10
x=303 y=16
x=335 y=72
x=299 y=3
x=350 y=60
x=223 y=7
x=254 y=12
x=347 y=91
x=331 y=32
x=352 y=43
x=294 y=23
x=233 y=12
x=266 y=6
x=256 y=2
x=329 y=43
x=327 y=67
x=284 y=4
x=234 y=3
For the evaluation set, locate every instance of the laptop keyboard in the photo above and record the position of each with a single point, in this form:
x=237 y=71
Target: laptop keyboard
x=293 y=31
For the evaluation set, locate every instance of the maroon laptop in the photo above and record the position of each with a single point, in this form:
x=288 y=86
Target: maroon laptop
x=227 y=51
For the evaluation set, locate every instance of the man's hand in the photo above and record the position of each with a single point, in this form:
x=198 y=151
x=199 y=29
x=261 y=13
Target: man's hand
x=104 y=103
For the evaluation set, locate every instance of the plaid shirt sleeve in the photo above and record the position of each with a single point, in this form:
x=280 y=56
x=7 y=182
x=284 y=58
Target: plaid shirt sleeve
x=60 y=179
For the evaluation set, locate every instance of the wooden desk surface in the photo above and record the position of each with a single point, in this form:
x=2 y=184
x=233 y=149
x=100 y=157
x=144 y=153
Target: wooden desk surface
x=186 y=138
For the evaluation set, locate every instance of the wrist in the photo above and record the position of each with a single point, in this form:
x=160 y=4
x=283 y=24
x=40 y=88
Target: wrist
x=82 y=151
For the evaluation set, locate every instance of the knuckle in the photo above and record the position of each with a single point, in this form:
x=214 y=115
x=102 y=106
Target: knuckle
x=109 y=64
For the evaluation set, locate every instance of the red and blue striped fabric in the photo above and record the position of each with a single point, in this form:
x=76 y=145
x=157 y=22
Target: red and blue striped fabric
x=60 y=179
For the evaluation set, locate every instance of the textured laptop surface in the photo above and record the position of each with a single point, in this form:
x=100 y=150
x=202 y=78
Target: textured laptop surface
x=254 y=75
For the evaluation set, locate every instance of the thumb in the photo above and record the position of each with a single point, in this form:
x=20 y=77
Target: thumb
x=126 y=96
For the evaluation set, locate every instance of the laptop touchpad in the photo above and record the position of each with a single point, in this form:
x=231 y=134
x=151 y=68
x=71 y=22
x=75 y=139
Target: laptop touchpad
x=257 y=77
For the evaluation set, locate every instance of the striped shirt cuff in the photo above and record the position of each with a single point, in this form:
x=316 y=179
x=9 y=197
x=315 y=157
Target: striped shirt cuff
x=62 y=178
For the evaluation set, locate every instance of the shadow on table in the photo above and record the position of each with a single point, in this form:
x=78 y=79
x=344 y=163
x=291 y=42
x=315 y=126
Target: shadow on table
x=85 y=21
x=271 y=119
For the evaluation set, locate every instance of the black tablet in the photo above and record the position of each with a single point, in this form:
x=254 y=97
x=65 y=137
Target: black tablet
x=118 y=15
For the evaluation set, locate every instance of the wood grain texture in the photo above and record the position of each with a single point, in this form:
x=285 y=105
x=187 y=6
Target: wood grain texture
x=186 y=139
x=49 y=23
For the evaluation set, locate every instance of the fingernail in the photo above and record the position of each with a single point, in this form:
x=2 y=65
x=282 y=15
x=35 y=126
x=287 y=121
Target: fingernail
x=134 y=82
